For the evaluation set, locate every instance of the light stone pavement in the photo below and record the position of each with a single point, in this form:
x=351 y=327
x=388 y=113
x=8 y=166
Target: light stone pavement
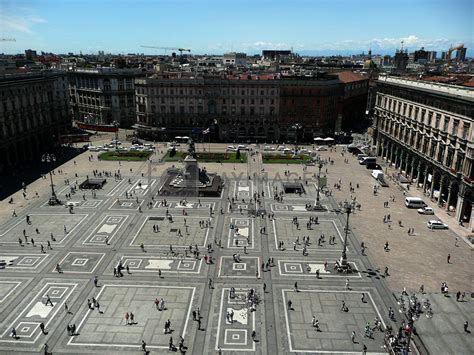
x=108 y=229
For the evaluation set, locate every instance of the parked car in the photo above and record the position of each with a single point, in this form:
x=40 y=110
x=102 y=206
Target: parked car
x=321 y=149
x=425 y=210
x=373 y=166
x=434 y=224
x=242 y=147
x=231 y=148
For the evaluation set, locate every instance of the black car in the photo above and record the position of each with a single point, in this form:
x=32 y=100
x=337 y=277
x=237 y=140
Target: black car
x=373 y=166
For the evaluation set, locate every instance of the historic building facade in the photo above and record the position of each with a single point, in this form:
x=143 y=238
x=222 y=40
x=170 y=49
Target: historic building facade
x=34 y=112
x=103 y=95
x=253 y=108
x=426 y=130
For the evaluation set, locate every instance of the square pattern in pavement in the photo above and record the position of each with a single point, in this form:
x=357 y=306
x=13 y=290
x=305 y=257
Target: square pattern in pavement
x=108 y=329
x=172 y=231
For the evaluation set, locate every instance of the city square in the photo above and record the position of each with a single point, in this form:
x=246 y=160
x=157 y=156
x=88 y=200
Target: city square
x=216 y=270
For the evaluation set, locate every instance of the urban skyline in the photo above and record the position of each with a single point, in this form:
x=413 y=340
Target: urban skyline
x=211 y=27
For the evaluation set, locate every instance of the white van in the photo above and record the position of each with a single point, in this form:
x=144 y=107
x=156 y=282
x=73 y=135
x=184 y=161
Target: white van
x=414 y=202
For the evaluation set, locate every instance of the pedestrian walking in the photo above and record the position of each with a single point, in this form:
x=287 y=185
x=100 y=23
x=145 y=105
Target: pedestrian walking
x=362 y=297
x=347 y=284
x=127 y=316
x=296 y=286
x=144 y=346
x=449 y=258
x=353 y=336
x=132 y=318
x=48 y=301
x=96 y=280
x=254 y=335
x=466 y=326
x=42 y=327
x=456 y=242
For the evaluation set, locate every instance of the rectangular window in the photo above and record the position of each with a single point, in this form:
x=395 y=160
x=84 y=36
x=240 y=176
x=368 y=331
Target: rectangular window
x=191 y=109
x=172 y=109
x=446 y=124
x=242 y=110
x=438 y=119
x=455 y=127
x=242 y=101
x=181 y=110
x=465 y=130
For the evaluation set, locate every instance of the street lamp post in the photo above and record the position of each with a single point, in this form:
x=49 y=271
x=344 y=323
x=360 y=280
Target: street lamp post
x=116 y=125
x=343 y=262
x=296 y=127
x=317 y=204
x=51 y=158
x=320 y=165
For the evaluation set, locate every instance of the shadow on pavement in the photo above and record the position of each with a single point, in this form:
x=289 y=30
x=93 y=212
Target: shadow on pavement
x=27 y=172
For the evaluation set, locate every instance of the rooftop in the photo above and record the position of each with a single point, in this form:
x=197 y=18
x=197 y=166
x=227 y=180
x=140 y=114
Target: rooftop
x=464 y=92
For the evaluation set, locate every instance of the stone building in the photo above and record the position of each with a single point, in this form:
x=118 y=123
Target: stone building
x=103 y=95
x=34 y=112
x=245 y=108
x=426 y=130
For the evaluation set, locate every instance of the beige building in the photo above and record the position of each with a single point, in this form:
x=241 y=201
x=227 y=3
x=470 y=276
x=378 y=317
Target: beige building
x=34 y=112
x=103 y=95
x=426 y=130
x=239 y=108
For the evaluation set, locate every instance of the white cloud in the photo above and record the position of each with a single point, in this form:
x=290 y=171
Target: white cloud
x=19 y=24
x=410 y=42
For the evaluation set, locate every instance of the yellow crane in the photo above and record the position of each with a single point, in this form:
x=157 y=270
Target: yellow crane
x=181 y=50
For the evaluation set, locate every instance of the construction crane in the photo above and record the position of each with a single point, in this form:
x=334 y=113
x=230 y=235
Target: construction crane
x=181 y=50
x=451 y=50
x=7 y=40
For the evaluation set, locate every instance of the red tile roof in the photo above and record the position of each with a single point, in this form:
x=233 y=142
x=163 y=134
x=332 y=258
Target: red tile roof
x=349 y=76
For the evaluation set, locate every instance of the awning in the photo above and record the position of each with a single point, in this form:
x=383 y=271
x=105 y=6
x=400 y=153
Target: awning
x=178 y=137
x=328 y=139
x=318 y=139
x=184 y=137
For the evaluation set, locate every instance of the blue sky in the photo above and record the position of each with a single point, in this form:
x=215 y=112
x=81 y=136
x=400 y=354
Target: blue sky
x=218 y=26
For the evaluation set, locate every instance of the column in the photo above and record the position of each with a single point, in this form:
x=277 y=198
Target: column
x=400 y=161
x=450 y=188
x=441 y=185
x=432 y=184
x=471 y=221
x=407 y=158
x=459 y=208
x=425 y=180
x=417 y=178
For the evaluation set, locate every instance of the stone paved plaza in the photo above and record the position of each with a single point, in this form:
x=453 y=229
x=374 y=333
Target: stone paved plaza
x=248 y=275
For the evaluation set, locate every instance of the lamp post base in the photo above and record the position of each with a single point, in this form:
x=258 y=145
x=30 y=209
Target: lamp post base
x=317 y=207
x=53 y=201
